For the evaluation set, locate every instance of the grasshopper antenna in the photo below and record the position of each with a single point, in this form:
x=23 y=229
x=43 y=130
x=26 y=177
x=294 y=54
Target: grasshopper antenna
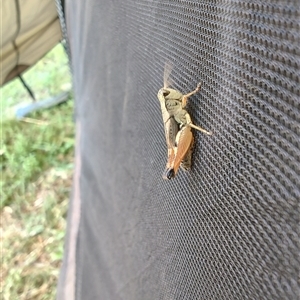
x=167 y=73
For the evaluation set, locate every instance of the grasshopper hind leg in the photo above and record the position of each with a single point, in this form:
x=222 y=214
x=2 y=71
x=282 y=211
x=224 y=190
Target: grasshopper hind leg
x=186 y=162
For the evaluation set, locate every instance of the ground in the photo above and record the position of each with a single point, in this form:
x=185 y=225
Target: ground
x=36 y=161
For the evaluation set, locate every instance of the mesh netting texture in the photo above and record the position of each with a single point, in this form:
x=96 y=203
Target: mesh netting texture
x=229 y=228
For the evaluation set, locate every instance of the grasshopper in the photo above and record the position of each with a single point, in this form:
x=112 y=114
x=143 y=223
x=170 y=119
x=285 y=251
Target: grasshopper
x=177 y=125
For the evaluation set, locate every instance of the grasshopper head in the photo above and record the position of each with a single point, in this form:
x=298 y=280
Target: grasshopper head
x=162 y=94
x=168 y=94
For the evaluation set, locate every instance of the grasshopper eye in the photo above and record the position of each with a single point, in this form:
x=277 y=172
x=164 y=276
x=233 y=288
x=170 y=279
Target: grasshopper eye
x=166 y=93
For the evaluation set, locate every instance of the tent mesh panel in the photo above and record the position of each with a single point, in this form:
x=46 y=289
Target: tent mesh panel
x=229 y=229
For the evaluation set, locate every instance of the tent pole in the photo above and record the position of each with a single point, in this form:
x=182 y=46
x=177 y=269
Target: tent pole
x=30 y=92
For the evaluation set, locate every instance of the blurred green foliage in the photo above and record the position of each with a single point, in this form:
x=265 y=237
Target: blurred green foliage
x=36 y=164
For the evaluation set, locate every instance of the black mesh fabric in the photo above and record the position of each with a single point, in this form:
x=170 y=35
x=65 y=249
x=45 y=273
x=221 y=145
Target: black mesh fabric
x=228 y=229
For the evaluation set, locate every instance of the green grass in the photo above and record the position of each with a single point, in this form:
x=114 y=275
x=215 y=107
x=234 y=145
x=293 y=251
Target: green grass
x=30 y=149
x=36 y=161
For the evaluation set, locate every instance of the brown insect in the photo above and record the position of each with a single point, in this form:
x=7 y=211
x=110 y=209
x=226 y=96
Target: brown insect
x=177 y=124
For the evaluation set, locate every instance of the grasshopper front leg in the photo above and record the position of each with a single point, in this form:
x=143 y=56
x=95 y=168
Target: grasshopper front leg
x=190 y=123
x=185 y=97
x=183 y=117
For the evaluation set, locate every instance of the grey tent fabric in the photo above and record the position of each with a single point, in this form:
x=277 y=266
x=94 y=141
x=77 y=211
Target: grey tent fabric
x=229 y=228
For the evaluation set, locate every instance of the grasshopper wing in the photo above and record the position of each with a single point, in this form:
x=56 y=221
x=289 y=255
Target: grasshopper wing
x=184 y=141
x=178 y=154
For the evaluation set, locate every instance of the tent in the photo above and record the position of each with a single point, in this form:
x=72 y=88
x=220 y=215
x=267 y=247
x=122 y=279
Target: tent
x=29 y=29
x=229 y=228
